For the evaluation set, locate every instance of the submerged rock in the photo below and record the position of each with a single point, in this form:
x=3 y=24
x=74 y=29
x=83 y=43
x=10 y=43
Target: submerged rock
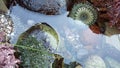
x=49 y=7
x=95 y=61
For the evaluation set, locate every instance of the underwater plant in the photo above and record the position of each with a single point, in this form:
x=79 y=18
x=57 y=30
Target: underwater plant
x=84 y=12
x=34 y=46
x=33 y=54
x=43 y=33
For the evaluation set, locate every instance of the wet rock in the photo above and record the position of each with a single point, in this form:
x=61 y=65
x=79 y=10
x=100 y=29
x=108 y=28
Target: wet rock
x=95 y=29
x=8 y=3
x=95 y=61
x=59 y=63
x=3 y=7
x=75 y=65
x=78 y=66
x=49 y=7
x=111 y=30
x=70 y=3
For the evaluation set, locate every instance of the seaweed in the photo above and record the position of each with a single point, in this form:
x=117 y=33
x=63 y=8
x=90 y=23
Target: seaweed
x=42 y=27
x=33 y=54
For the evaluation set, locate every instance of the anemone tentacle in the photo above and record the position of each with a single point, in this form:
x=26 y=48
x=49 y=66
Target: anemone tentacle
x=84 y=12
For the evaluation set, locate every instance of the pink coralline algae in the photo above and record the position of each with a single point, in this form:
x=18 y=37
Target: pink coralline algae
x=7 y=58
x=114 y=12
x=2 y=36
x=109 y=10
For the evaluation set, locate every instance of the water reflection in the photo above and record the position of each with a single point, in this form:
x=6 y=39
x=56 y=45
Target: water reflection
x=77 y=41
x=83 y=43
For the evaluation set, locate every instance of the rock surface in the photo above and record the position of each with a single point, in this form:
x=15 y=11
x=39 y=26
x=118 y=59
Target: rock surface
x=3 y=7
x=49 y=7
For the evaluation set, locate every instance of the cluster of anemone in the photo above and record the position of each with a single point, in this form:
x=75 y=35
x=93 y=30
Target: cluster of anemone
x=96 y=13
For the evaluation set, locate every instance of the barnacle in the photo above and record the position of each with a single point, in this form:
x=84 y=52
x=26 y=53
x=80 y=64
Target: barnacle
x=6 y=25
x=84 y=12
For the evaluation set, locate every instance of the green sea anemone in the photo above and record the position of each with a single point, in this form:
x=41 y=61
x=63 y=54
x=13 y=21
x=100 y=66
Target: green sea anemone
x=84 y=12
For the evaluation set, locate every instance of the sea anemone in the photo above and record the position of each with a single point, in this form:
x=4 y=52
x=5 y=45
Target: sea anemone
x=84 y=12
